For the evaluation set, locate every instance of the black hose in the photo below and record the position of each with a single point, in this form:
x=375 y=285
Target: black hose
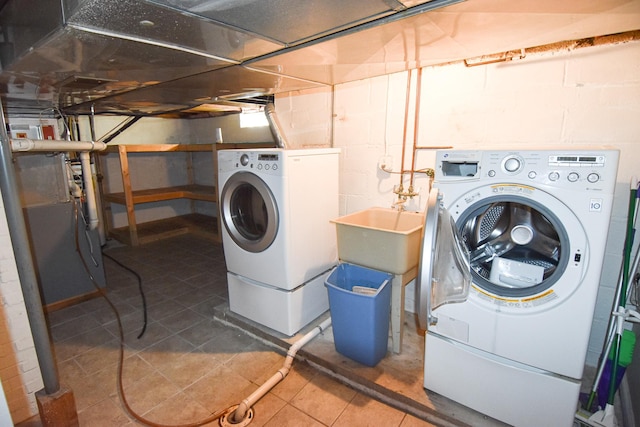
x=125 y=403
x=144 y=300
x=93 y=280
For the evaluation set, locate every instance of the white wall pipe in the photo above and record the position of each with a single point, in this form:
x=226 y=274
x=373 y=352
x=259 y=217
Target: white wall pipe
x=239 y=414
x=20 y=144
x=83 y=147
x=87 y=177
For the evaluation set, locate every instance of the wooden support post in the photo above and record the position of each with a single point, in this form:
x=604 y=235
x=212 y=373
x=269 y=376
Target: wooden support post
x=128 y=195
x=57 y=409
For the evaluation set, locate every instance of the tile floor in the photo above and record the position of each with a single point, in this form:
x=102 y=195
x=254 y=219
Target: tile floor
x=189 y=364
x=196 y=357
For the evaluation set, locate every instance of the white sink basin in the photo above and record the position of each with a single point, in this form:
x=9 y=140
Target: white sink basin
x=381 y=238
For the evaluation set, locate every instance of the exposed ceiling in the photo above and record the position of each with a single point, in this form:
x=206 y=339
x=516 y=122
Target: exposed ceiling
x=141 y=57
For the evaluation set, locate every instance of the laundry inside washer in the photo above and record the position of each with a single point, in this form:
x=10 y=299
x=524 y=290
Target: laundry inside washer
x=516 y=274
x=511 y=244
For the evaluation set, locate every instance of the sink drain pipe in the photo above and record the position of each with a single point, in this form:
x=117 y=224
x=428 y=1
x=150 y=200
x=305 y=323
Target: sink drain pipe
x=240 y=413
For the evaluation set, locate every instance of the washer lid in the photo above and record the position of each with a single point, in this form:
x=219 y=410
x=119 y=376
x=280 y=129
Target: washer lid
x=444 y=274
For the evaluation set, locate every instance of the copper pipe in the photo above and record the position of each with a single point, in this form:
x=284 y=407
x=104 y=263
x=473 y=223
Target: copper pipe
x=404 y=132
x=416 y=131
x=435 y=147
x=416 y=126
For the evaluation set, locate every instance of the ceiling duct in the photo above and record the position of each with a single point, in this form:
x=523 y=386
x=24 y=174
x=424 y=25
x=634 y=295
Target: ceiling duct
x=52 y=57
x=208 y=57
x=275 y=126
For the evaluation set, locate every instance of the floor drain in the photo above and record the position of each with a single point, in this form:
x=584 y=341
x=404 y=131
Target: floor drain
x=225 y=419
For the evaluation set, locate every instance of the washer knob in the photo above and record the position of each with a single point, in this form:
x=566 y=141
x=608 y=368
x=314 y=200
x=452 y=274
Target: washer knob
x=244 y=159
x=593 y=177
x=554 y=176
x=512 y=164
x=573 y=176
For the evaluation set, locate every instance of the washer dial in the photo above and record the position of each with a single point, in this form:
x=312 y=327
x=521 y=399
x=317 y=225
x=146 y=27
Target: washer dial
x=512 y=164
x=593 y=177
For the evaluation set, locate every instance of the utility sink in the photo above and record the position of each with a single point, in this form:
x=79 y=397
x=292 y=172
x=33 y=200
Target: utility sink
x=381 y=238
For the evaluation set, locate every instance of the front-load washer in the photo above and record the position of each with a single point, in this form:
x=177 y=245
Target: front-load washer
x=534 y=224
x=275 y=208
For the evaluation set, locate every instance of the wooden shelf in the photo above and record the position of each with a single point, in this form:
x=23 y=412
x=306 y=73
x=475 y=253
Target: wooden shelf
x=147 y=232
x=193 y=192
x=136 y=234
x=139 y=233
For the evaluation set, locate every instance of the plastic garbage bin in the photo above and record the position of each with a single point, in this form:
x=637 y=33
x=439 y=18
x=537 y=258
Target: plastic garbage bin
x=360 y=302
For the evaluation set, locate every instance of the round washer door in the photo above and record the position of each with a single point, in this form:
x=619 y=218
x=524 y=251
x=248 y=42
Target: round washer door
x=528 y=251
x=249 y=212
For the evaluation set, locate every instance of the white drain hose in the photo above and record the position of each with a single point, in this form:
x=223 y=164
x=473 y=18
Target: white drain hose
x=252 y=399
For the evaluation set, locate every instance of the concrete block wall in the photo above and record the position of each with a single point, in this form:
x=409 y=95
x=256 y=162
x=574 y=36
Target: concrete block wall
x=305 y=117
x=585 y=97
x=19 y=370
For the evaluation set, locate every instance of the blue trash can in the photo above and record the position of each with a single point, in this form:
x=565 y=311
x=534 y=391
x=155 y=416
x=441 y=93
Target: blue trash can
x=360 y=303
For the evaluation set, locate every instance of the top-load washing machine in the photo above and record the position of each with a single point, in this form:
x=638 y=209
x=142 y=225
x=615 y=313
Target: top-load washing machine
x=279 y=246
x=533 y=225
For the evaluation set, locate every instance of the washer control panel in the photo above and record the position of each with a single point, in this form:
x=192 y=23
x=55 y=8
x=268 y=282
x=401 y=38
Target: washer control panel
x=577 y=169
x=259 y=161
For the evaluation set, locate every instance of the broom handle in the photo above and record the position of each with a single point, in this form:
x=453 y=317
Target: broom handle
x=633 y=195
x=625 y=283
x=607 y=347
x=617 y=298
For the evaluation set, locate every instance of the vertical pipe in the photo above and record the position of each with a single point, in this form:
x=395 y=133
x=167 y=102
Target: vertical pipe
x=92 y=124
x=89 y=192
x=628 y=248
x=416 y=127
x=406 y=124
x=24 y=263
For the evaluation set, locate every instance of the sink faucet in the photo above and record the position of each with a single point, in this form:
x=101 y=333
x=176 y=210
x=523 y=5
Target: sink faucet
x=399 y=204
